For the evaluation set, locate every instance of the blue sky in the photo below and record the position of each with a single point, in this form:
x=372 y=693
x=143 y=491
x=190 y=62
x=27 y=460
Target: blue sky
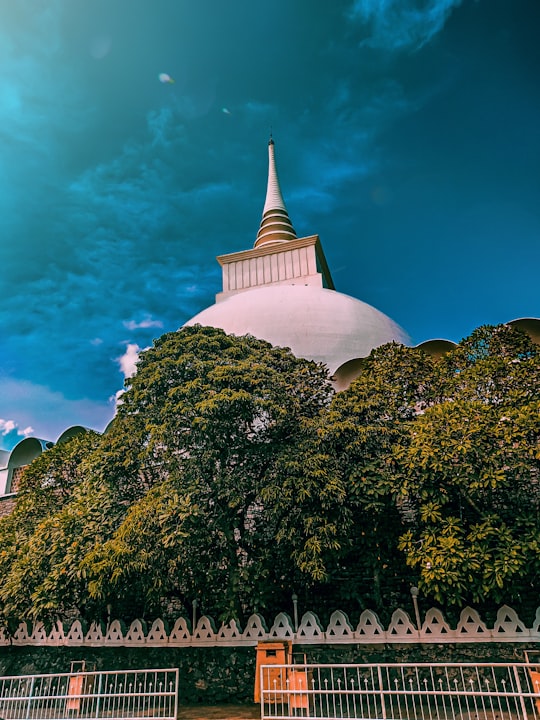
x=407 y=136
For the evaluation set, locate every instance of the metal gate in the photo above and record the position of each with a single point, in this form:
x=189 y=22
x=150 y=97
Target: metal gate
x=125 y=695
x=430 y=691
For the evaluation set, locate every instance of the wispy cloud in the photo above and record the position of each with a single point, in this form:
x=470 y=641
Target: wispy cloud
x=401 y=24
x=146 y=322
x=11 y=434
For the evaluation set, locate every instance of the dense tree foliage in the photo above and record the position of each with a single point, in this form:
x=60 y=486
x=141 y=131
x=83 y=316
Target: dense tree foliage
x=234 y=476
x=471 y=471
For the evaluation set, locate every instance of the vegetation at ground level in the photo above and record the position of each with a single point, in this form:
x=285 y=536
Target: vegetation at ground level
x=234 y=476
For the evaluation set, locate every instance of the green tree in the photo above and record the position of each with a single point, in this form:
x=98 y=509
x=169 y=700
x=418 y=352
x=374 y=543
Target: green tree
x=213 y=417
x=233 y=475
x=470 y=470
x=339 y=496
x=42 y=539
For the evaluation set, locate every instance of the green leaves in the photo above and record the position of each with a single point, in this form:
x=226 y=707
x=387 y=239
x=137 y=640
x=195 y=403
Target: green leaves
x=473 y=457
x=233 y=475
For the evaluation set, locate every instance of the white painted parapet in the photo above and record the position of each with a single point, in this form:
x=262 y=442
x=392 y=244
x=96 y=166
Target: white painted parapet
x=340 y=630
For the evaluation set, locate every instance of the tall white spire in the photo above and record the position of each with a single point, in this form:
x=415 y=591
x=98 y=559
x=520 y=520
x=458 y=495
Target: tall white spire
x=276 y=226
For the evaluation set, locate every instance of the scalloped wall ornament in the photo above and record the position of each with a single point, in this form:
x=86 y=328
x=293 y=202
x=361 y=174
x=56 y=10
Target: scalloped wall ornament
x=339 y=628
x=471 y=624
x=282 y=628
x=255 y=628
x=435 y=626
x=181 y=633
x=507 y=628
x=370 y=628
x=310 y=628
x=401 y=628
x=205 y=632
x=158 y=634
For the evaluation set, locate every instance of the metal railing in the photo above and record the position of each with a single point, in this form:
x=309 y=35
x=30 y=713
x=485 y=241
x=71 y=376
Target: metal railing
x=121 y=695
x=430 y=691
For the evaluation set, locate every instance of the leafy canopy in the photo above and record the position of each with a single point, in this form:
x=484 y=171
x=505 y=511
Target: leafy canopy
x=234 y=476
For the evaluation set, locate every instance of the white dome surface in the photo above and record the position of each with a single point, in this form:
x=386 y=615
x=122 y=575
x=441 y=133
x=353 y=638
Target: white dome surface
x=315 y=323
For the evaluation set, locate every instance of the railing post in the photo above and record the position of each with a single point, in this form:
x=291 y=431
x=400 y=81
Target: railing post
x=30 y=697
x=176 y=680
x=381 y=690
x=98 y=700
x=520 y=691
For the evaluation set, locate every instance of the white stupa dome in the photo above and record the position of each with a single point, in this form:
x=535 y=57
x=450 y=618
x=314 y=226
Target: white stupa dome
x=314 y=322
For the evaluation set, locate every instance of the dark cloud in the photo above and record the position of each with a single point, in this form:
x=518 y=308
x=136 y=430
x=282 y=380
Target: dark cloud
x=406 y=136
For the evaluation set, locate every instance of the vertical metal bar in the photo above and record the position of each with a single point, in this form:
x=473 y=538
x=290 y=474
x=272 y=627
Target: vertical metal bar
x=98 y=692
x=346 y=680
x=520 y=691
x=262 y=690
x=383 y=706
x=177 y=690
x=30 y=693
x=482 y=696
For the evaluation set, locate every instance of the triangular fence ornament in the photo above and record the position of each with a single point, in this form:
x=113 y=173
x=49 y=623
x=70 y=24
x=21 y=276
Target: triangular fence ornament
x=4 y=639
x=255 y=629
x=116 y=632
x=310 y=629
x=39 y=634
x=435 y=626
x=136 y=635
x=158 y=634
x=75 y=635
x=535 y=630
x=205 y=631
x=509 y=624
x=95 y=635
x=401 y=626
x=57 y=635
x=369 y=627
x=471 y=625
x=282 y=627
x=20 y=636
x=229 y=633
x=180 y=634
x=339 y=628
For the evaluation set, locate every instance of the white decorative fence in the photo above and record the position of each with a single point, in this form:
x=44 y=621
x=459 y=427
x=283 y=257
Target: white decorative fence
x=420 y=691
x=120 y=695
x=367 y=630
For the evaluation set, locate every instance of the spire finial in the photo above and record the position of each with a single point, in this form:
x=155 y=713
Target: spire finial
x=276 y=226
